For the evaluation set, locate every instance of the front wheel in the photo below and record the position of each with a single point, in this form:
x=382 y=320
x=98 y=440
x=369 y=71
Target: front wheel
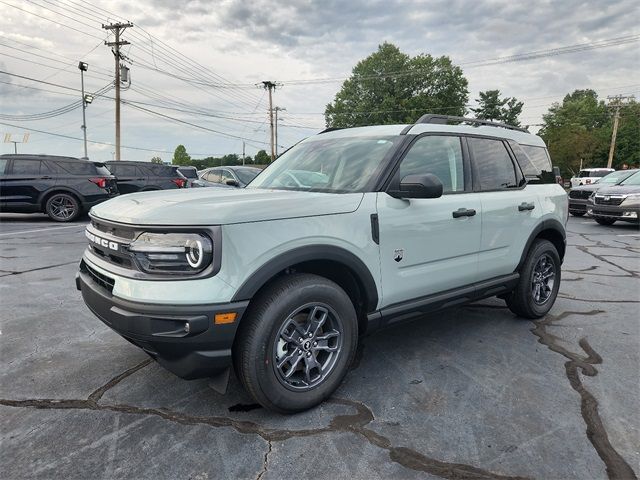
x=539 y=282
x=605 y=221
x=62 y=207
x=296 y=343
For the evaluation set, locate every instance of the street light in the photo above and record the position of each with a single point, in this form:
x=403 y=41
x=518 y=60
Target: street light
x=86 y=99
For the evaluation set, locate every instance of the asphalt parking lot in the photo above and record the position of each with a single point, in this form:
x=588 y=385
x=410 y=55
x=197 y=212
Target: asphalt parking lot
x=468 y=393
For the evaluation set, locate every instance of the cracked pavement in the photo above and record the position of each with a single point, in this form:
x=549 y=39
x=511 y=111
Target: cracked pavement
x=467 y=393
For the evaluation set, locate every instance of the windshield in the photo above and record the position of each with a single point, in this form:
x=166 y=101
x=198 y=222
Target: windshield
x=336 y=165
x=189 y=172
x=614 y=177
x=246 y=174
x=632 y=180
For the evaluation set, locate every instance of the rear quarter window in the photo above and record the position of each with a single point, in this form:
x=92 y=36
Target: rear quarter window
x=3 y=165
x=538 y=171
x=77 y=168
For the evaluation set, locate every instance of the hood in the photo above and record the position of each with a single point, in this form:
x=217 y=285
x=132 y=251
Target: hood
x=220 y=206
x=619 y=190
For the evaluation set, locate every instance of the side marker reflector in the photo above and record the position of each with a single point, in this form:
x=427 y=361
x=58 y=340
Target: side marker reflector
x=223 y=318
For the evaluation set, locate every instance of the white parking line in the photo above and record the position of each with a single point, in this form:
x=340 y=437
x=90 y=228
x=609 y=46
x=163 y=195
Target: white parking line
x=629 y=235
x=43 y=230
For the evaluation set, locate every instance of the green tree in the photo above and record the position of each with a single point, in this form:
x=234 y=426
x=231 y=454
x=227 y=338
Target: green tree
x=391 y=87
x=180 y=156
x=577 y=131
x=156 y=160
x=492 y=107
x=262 y=158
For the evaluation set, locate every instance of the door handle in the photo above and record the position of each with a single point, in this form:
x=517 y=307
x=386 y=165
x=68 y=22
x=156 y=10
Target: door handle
x=463 y=212
x=524 y=206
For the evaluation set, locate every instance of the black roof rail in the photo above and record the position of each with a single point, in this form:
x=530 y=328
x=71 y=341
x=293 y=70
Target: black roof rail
x=445 y=119
x=331 y=129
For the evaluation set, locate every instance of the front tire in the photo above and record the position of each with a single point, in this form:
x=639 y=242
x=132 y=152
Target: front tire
x=605 y=221
x=578 y=214
x=539 y=282
x=296 y=343
x=62 y=207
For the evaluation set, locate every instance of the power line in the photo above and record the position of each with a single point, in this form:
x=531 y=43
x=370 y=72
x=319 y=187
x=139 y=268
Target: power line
x=44 y=132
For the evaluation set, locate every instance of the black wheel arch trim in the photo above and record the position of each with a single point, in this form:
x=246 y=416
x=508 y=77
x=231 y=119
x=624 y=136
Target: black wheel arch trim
x=59 y=189
x=308 y=253
x=548 y=224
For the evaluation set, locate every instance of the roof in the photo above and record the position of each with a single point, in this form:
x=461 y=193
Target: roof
x=523 y=138
x=44 y=157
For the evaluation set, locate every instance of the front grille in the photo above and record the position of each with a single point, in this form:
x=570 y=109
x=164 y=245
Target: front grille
x=121 y=232
x=102 y=280
x=120 y=235
x=581 y=194
x=609 y=199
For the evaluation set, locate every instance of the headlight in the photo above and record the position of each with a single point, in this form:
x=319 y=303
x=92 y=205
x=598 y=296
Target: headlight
x=632 y=200
x=179 y=253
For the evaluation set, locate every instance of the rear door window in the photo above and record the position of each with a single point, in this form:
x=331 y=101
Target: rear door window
x=493 y=165
x=26 y=167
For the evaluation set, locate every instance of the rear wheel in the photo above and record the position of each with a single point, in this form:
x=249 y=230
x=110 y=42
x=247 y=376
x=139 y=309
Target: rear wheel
x=539 y=282
x=62 y=207
x=296 y=344
x=605 y=221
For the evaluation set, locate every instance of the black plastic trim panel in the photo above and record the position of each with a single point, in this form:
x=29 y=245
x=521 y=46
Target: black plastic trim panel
x=420 y=306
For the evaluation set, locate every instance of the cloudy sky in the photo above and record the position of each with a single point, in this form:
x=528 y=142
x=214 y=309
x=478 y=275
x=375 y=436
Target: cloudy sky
x=197 y=61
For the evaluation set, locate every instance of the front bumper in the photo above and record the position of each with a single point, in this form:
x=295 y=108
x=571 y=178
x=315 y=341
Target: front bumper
x=183 y=339
x=617 y=212
x=578 y=205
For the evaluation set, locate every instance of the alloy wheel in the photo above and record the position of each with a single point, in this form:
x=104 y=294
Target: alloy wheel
x=307 y=346
x=543 y=279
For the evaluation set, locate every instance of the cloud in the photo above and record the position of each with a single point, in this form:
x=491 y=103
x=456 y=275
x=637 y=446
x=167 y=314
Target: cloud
x=246 y=42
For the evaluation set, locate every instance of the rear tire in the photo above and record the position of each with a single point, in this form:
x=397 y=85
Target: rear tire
x=539 y=282
x=62 y=207
x=605 y=221
x=296 y=343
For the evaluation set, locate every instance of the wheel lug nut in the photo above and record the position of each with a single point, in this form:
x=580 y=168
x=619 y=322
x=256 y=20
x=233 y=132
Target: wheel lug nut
x=315 y=344
x=310 y=335
x=308 y=354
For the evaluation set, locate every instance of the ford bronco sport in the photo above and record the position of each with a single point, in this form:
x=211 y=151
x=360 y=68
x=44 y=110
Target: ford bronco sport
x=279 y=279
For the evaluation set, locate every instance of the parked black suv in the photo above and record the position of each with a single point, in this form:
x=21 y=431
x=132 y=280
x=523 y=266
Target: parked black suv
x=61 y=187
x=145 y=176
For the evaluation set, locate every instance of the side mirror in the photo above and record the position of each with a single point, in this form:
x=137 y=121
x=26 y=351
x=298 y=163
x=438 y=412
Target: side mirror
x=232 y=183
x=419 y=186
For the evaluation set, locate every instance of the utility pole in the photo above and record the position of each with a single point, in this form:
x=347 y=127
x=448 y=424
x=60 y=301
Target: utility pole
x=270 y=86
x=277 y=109
x=118 y=29
x=83 y=68
x=7 y=139
x=616 y=102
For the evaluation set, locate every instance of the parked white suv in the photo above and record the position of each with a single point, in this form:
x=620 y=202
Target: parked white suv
x=348 y=231
x=587 y=176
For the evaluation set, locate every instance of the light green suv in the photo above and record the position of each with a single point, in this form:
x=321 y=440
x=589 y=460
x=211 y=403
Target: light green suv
x=348 y=231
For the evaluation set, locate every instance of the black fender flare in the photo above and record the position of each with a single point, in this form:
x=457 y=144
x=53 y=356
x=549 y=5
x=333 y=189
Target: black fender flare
x=551 y=224
x=58 y=189
x=305 y=254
